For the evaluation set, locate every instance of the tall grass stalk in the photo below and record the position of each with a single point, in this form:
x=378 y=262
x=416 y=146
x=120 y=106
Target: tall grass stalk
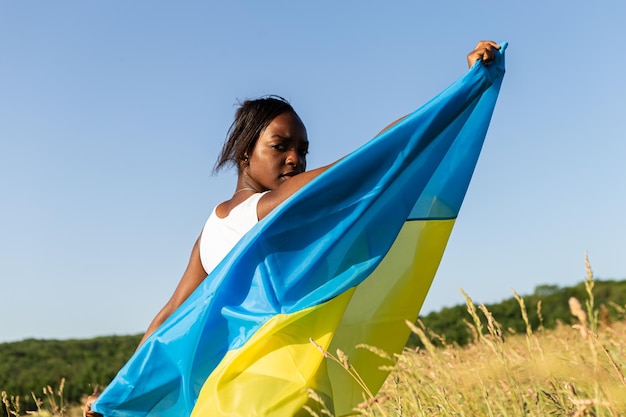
x=592 y=313
x=342 y=360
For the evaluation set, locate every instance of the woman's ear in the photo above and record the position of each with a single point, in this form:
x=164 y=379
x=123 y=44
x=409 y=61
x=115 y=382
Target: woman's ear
x=244 y=162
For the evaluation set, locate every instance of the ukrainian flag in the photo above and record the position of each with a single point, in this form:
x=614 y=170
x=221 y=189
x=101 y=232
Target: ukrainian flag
x=346 y=260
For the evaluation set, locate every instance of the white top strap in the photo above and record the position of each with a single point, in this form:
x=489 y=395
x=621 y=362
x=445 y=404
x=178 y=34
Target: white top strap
x=220 y=235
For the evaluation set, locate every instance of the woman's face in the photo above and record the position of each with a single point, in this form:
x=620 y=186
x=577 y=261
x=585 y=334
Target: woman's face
x=279 y=154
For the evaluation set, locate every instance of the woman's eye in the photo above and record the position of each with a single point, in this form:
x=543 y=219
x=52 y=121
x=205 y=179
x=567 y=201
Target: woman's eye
x=279 y=147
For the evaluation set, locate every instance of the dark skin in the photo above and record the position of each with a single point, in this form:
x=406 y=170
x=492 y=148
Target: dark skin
x=276 y=164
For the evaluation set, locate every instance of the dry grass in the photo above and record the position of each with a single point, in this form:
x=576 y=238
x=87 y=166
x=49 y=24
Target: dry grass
x=562 y=372
x=569 y=371
x=50 y=404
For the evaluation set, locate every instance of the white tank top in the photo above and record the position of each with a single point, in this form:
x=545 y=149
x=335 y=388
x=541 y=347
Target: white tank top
x=219 y=235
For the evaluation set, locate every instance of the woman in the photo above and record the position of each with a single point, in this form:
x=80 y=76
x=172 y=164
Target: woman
x=268 y=143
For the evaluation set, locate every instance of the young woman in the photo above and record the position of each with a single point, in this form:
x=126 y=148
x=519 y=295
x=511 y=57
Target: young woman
x=268 y=144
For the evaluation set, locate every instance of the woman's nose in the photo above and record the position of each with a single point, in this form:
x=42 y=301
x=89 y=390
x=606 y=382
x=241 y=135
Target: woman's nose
x=294 y=158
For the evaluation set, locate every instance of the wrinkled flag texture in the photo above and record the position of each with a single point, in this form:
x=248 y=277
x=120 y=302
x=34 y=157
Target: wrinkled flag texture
x=345 y=261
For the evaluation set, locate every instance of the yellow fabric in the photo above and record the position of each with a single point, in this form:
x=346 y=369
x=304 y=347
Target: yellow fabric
x=269 y=375
x=377 y=312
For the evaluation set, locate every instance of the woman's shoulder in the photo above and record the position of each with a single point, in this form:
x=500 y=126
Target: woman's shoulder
x=221 y=234
x=237 y=206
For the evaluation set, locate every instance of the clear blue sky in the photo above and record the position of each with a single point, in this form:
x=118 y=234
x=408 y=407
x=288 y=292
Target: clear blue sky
x=112 y=114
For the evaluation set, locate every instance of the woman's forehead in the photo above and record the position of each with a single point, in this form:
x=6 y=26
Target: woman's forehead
x=287 y=126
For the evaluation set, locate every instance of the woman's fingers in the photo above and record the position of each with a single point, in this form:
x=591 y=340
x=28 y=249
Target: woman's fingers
x=484 y=51
x=87 y=412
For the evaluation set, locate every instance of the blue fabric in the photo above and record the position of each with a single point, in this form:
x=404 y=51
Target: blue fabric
x=324 y=240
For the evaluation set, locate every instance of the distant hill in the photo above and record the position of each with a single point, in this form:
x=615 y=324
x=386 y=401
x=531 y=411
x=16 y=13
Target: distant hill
x=609 y=299
x=29 y=365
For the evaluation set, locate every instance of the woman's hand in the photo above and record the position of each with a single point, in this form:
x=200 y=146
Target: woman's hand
x=87 y=408
x=485 y=51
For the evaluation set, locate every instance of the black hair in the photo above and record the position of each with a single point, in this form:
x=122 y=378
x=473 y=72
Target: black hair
x=251 y=118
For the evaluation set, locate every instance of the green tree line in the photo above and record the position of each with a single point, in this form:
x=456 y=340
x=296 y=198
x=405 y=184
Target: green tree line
x=546 y=307
x=29 y=365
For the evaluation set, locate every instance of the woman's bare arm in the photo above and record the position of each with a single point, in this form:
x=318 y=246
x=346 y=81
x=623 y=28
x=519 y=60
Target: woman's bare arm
x=271 y=200
x=191 y=279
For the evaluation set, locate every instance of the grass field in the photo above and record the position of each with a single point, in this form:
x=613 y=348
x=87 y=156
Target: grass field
x=569 y=371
